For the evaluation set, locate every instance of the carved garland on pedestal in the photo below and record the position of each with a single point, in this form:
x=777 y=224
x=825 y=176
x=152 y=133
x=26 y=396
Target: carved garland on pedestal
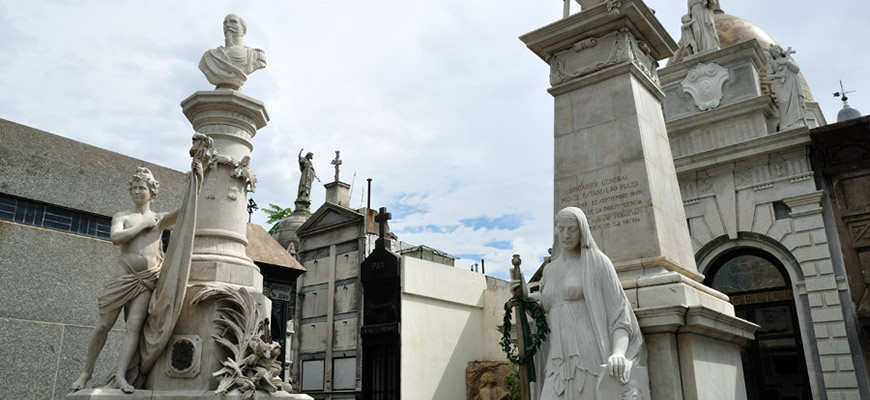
x=205 y=155
x=253 y=364
x=624 y=48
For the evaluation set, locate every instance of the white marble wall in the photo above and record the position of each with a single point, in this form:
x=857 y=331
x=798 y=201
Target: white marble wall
x=732 y=199
x=445 y=326
x=732 y=168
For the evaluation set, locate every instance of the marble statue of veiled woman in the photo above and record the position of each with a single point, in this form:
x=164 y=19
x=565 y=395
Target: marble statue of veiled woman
x=783 y=71
x=704 y=26
x=591 y=321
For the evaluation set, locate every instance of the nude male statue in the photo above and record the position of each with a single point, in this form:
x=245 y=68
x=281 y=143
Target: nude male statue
x=137 y=232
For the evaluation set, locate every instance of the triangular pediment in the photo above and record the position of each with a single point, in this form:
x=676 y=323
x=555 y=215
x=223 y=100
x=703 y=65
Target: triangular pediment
x=329 y=216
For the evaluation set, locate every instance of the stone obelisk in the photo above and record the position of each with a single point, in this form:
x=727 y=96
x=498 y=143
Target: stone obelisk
x=613 y=160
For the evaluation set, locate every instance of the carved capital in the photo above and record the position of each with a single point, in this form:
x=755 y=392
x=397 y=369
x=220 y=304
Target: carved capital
x=704 y=83
x=599 y=53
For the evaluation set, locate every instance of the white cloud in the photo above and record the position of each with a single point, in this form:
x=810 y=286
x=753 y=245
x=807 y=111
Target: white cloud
x=438 y=102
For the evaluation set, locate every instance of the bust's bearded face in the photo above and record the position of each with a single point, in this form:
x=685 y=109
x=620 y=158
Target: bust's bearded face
x=232 y=25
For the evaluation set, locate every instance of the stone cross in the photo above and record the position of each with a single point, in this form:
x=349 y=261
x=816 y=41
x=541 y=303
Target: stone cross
x=382 y=218
x=337 y=163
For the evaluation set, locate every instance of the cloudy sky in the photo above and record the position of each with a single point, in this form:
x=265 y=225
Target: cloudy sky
x=437 y=101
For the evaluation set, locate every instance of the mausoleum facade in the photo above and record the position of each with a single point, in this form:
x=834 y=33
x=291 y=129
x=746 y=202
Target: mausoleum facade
x=760 y=219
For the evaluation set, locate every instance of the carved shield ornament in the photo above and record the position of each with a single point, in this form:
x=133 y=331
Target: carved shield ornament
x=704 y=83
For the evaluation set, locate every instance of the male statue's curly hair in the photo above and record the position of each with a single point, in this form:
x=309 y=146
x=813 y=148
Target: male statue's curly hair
x=144 y=175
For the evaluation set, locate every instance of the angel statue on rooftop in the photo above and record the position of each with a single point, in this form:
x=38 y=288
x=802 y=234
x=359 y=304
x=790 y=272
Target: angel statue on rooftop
x=783 y=71
x=306 y=168
x=704 y=33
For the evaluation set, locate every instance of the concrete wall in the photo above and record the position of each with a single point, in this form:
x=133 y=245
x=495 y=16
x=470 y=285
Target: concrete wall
x=52 y=169
x=50 y=280
x=449 y=318
x=49 y=283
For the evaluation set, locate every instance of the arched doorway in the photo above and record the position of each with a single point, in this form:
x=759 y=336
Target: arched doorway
x=761 y=291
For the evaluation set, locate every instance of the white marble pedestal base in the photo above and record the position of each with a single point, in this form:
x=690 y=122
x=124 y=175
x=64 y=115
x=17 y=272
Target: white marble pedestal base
x=692 y=336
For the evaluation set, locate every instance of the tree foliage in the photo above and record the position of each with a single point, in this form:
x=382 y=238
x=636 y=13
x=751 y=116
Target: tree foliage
x=275 y=213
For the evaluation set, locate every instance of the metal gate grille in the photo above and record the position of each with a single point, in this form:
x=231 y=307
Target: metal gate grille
x=381 y=373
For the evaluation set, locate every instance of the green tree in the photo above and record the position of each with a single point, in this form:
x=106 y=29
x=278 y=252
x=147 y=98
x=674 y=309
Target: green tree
x=276 y=213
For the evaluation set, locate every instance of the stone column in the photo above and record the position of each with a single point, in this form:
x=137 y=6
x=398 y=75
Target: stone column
x=613 y=160
x=231 y=119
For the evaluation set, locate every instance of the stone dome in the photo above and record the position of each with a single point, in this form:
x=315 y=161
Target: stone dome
x=847 y=113
x=733 y=30
x=285 y=229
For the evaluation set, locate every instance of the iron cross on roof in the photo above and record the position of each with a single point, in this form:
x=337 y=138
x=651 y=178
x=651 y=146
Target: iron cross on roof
x=382 y=218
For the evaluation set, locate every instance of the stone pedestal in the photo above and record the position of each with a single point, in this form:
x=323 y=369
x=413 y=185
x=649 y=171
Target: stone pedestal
x=338 y=193
x=612 y=155
x=613 y=160
x=231 y=119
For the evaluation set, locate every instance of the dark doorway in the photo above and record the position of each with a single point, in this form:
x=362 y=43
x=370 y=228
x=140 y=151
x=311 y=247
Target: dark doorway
x=381 y=367
x=758 y=285
x=278 y=327
x=382 y=317
x=280 y=293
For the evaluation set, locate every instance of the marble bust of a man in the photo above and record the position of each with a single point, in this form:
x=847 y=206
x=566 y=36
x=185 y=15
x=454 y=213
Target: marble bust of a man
x=228 y=66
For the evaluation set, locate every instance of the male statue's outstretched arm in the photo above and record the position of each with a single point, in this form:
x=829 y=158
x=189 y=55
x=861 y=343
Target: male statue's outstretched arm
x=168 y=219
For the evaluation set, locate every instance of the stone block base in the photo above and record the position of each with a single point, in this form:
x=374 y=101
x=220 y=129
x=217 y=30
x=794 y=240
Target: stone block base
x=693 y=339
x=194 y=368
x=117 y=394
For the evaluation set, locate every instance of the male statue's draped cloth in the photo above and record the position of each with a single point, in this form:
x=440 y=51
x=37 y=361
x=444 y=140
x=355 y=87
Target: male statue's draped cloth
x=168 y=296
